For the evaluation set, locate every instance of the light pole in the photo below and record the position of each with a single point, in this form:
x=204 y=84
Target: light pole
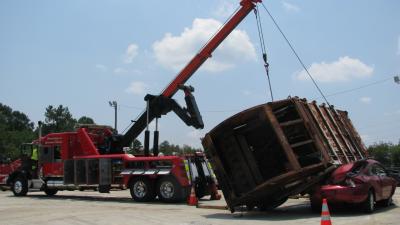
x=115 y=105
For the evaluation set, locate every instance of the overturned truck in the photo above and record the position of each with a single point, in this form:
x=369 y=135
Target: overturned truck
x=266 y=153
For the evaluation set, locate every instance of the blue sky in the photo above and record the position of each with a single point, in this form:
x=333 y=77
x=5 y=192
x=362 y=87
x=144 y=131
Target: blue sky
x=83 y=53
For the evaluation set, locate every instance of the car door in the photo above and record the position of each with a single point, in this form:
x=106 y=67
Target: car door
x=386 y=182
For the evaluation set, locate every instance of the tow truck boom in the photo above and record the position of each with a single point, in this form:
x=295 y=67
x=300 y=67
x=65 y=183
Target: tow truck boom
x=163 y=103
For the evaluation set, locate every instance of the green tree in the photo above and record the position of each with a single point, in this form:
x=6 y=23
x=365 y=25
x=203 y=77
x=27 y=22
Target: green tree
x=169 y=149
x=385 y=152
x=136 y=148
x=15 y=129
x=58 y=120
x=86 y=120
x=165 y=148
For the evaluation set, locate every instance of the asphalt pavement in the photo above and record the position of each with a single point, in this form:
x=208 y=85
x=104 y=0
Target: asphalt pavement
x=78 y=208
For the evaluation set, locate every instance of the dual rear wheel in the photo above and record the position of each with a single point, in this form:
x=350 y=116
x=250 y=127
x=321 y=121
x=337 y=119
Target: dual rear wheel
x=166 y=188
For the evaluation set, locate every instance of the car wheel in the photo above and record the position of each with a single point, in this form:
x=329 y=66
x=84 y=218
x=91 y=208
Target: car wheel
x=388 y=202
x=142 y=189
x=169 y=190
x=20 y=186
x=50 y=192
x=369 y=203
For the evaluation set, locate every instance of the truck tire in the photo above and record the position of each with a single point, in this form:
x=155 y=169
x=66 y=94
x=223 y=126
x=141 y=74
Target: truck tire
x=142 y=189
x=50 y=192
x=369 y=204
x=169 y=190
x=20 y=186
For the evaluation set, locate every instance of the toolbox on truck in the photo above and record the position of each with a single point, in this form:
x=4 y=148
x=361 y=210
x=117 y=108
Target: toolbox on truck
x=266 y=153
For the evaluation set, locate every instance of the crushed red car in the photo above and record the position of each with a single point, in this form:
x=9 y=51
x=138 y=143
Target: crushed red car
x=365 y=182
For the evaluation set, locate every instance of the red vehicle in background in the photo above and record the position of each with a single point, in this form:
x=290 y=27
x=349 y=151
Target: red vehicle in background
x=364 y=182
x=6 y=168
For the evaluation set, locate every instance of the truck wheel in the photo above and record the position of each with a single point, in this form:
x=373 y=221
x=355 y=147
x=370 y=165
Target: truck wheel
x=369 y=204
x=142 y=190
x=169 y=190
x=50 y=192
x=20 y=186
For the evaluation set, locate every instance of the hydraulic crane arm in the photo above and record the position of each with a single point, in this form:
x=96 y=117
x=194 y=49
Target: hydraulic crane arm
x=146 y=117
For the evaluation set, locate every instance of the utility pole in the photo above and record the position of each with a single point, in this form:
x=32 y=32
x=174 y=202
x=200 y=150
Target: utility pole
x=115 y=105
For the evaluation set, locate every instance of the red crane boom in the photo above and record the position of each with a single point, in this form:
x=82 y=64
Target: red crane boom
x=165 y=98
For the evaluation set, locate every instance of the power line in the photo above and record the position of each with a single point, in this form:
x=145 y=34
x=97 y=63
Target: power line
x=360 y=87
x=295 y=53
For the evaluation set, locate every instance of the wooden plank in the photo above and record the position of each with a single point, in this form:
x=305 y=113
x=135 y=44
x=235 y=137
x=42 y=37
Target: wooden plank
x=219 y=170
x=313 y=109
x=282 y=138
x=353 y=133
x=351 y=137
x=271 y=185
x=290 y=123
x=312 y=129
x=332 y=132
x=348 y=148
x=298 y=144
x=251 y=162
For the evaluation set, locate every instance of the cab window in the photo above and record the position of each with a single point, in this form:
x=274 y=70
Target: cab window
x=57 y=153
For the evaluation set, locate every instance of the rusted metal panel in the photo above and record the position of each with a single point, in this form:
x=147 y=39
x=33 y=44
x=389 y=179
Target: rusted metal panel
x=268 y=152
x=359 y=147
x=324 y=131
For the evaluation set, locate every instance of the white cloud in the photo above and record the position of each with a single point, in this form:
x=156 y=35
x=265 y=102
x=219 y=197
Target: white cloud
x=101 y=67
x=174 y=52
x=365 y=100
x=120 y=70
x=137 y=88
x=225 y=8
x=344 y=69
x=130 y=53
x=289 y=7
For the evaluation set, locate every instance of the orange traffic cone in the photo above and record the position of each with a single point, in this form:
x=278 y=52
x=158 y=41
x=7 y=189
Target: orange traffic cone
x=325 y=216
x=214 y=192
x=192 y=200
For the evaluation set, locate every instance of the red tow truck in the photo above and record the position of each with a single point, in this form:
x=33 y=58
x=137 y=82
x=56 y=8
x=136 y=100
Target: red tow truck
x=92 y=157
x=79 y=160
